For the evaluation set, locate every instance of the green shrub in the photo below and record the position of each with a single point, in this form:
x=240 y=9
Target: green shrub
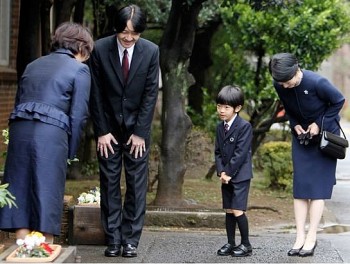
x=275 y=159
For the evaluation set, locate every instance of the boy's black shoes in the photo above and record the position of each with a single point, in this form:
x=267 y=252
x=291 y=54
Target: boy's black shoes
x=242 y=251
x=112 y=250
x=226 y=250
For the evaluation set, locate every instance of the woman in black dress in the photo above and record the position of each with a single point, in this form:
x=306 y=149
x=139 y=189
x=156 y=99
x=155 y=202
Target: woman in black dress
x=307 y=98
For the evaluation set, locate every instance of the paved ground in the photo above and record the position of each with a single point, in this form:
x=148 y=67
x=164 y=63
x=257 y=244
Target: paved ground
x=269 y=246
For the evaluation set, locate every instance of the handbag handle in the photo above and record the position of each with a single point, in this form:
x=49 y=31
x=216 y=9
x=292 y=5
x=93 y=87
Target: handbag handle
x=337 y=124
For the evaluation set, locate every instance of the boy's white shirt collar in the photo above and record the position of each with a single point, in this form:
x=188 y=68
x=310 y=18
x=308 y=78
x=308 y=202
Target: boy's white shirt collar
x=231 y=121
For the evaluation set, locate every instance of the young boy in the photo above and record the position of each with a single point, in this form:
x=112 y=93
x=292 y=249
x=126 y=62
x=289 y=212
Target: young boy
x=234 y=167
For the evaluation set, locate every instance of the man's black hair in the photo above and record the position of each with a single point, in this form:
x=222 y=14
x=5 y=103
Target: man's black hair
x=133 y=13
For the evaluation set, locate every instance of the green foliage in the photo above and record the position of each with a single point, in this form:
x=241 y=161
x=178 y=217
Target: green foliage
x=274 y=158
x=311 y=29
x=209 y=118
x=90 y=169
x=6 y=198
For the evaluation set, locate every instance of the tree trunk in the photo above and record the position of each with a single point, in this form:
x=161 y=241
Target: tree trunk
x=175 y=50
x=78 y=16
x=63 y=11
x=45 y=27
x=29 y=44
x=201 y=60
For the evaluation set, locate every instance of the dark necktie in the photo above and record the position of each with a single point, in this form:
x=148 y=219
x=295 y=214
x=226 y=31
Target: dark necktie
x=226 y=127
x=125 y=65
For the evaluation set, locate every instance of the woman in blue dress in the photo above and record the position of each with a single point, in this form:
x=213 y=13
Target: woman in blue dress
x=45 y=126
x=307 y=98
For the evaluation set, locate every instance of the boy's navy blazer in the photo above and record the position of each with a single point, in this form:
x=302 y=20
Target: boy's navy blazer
x=233 y=150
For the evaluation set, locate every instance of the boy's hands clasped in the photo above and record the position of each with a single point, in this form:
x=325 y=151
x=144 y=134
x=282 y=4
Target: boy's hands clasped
x=225 y=179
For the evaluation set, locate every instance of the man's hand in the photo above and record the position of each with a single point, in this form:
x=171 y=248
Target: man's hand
x=104 y=144
x=138 y=145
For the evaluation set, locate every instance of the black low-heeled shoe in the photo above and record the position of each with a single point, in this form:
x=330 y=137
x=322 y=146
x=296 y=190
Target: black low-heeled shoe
x=294 y=252
x=307 y=253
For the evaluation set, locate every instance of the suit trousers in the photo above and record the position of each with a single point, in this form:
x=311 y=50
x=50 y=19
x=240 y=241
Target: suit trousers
x=123 y=223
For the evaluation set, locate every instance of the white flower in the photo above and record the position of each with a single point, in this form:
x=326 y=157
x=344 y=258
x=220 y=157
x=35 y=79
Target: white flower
x=91 y=197
x=29 y=241
x=81 y=198
x=20 y=242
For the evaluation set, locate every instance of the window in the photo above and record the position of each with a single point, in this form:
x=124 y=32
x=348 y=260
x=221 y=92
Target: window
x=4 y=32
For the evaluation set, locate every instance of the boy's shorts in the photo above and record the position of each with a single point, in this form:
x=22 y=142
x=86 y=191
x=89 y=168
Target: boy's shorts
x=235 y=195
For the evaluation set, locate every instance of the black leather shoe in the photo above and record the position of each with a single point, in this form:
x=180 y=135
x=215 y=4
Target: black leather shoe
x=129 y=251
x=226 y=250
x=242 y=251
x=294 y=251
x=307 y=253
x=112 y=251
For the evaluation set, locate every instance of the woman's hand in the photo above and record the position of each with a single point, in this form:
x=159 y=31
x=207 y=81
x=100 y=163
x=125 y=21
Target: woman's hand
x=299 y=130
x=313 y=129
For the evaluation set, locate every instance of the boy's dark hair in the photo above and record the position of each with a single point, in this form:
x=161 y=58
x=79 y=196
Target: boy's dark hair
x=133 y=13
x=283 y=67
x=230 y=95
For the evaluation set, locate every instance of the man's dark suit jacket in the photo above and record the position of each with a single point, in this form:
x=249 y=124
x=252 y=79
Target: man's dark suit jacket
x=233 y=150
x=112 y=102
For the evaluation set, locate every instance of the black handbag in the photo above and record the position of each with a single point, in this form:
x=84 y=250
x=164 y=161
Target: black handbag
x=333 y=145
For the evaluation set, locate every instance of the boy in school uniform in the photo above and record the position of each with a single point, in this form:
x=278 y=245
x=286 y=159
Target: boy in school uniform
x=234 y=167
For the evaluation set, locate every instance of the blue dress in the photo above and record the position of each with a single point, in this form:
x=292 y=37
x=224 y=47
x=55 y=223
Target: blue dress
x=51 y=109
x=313 y=98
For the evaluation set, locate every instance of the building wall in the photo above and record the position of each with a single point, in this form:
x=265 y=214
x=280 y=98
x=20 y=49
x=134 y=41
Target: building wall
x=8 y=75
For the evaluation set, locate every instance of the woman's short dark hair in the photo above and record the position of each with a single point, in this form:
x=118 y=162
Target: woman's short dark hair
x=230 y=95
x=74 y=37
x=132 y=13
x=283 y=67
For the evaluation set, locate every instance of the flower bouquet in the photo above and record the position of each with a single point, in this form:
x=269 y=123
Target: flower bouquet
x=91 y=197
x=34 y=249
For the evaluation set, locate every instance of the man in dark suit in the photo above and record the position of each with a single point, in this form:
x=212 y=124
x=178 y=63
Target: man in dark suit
x=124 y=69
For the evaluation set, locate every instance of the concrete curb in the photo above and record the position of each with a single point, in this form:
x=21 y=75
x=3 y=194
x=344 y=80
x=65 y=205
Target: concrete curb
x=193 y=219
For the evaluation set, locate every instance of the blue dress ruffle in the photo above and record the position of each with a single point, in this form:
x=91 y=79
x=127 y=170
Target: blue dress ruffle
x=45 y=113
